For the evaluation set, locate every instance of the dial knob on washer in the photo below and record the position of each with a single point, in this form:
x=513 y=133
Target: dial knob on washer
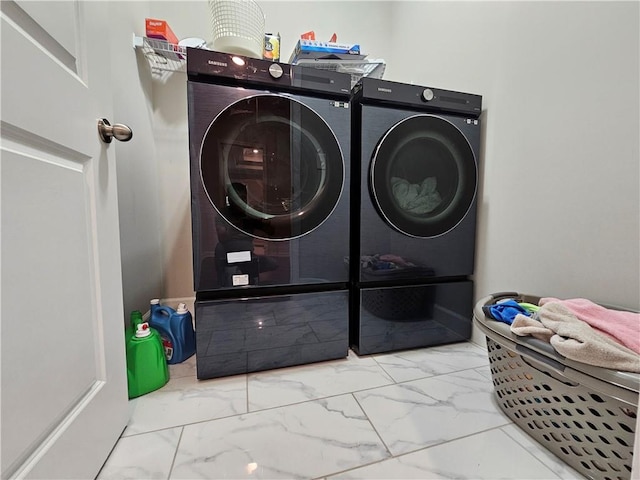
x=427 y=95
x=275 y=70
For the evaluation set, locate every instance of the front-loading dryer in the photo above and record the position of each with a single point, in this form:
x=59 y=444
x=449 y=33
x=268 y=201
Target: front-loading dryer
x=414 y=198
x=269 y=157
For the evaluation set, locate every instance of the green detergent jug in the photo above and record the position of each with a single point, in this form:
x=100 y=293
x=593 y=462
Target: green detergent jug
x=147 y=368
x=132 y=326
x=136 y=319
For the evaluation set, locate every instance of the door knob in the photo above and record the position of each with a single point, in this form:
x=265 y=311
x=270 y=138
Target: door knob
x=118 y=131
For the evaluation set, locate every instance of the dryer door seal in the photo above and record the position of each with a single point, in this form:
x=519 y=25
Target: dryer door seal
x=423 y=176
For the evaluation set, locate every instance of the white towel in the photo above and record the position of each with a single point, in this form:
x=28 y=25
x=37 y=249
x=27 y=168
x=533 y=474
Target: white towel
x=416 y=198
x=575 y=339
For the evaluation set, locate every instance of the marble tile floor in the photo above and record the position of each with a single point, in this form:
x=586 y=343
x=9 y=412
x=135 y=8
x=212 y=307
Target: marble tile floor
x=426 y=414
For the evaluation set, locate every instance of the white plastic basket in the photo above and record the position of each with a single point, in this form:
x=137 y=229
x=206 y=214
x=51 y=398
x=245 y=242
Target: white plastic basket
x=238 y=27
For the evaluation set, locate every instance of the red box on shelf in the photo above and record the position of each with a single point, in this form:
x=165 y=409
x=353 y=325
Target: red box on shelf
x=160 y=29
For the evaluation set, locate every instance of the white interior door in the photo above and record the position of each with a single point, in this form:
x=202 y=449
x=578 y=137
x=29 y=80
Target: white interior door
x=64 y=392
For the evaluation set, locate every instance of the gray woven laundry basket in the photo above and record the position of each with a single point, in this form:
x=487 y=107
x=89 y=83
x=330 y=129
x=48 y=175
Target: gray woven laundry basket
x=583 y=414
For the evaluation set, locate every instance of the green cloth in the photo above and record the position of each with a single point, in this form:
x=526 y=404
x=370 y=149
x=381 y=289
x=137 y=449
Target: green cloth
x=530 y=307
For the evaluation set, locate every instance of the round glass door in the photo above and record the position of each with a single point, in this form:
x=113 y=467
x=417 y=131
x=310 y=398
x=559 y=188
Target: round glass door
x=423 y=176
x=272 y=167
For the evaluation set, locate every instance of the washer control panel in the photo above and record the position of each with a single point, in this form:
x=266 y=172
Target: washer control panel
x=378 y=91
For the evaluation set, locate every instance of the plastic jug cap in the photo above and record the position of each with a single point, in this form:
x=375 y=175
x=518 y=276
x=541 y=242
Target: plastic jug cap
x=182 y=308
x=155 y=301
x=143 y=330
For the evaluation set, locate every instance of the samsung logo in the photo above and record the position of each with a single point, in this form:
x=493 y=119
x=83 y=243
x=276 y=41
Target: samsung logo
x=218 y=64
x=386 y=90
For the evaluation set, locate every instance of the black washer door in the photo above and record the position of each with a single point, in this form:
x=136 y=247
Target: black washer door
x=423 y=176
x=272 y=167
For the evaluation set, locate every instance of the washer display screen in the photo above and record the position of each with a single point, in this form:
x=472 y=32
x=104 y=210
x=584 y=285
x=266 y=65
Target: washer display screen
x=423 y=176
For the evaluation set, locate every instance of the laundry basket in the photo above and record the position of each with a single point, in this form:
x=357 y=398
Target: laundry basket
x=237 y=26
x=585 y=415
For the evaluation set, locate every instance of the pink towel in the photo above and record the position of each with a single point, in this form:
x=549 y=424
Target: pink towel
x=622 y=326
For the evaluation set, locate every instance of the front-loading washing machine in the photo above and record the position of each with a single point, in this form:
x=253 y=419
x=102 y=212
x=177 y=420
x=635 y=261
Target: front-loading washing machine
x=414 y=197
x=269 y=158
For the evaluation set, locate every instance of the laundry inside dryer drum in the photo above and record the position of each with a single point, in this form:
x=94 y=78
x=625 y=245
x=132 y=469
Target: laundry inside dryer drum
x=423 y=176
x=272 y=167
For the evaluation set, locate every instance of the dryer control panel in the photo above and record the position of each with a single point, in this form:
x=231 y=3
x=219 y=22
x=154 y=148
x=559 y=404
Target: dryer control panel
x=373 y=90
x=229 y=69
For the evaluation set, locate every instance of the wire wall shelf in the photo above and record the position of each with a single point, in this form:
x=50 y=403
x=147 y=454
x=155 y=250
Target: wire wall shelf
x=165 y=58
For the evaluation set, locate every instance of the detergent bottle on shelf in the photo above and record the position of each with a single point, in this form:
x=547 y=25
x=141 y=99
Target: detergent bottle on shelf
x=147 y=368
x=176 y=331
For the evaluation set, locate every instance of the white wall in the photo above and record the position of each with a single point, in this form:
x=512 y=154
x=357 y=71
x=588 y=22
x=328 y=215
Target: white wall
x=171 y=135
x=559 y=200
x=559 y=196
x=138 y=194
